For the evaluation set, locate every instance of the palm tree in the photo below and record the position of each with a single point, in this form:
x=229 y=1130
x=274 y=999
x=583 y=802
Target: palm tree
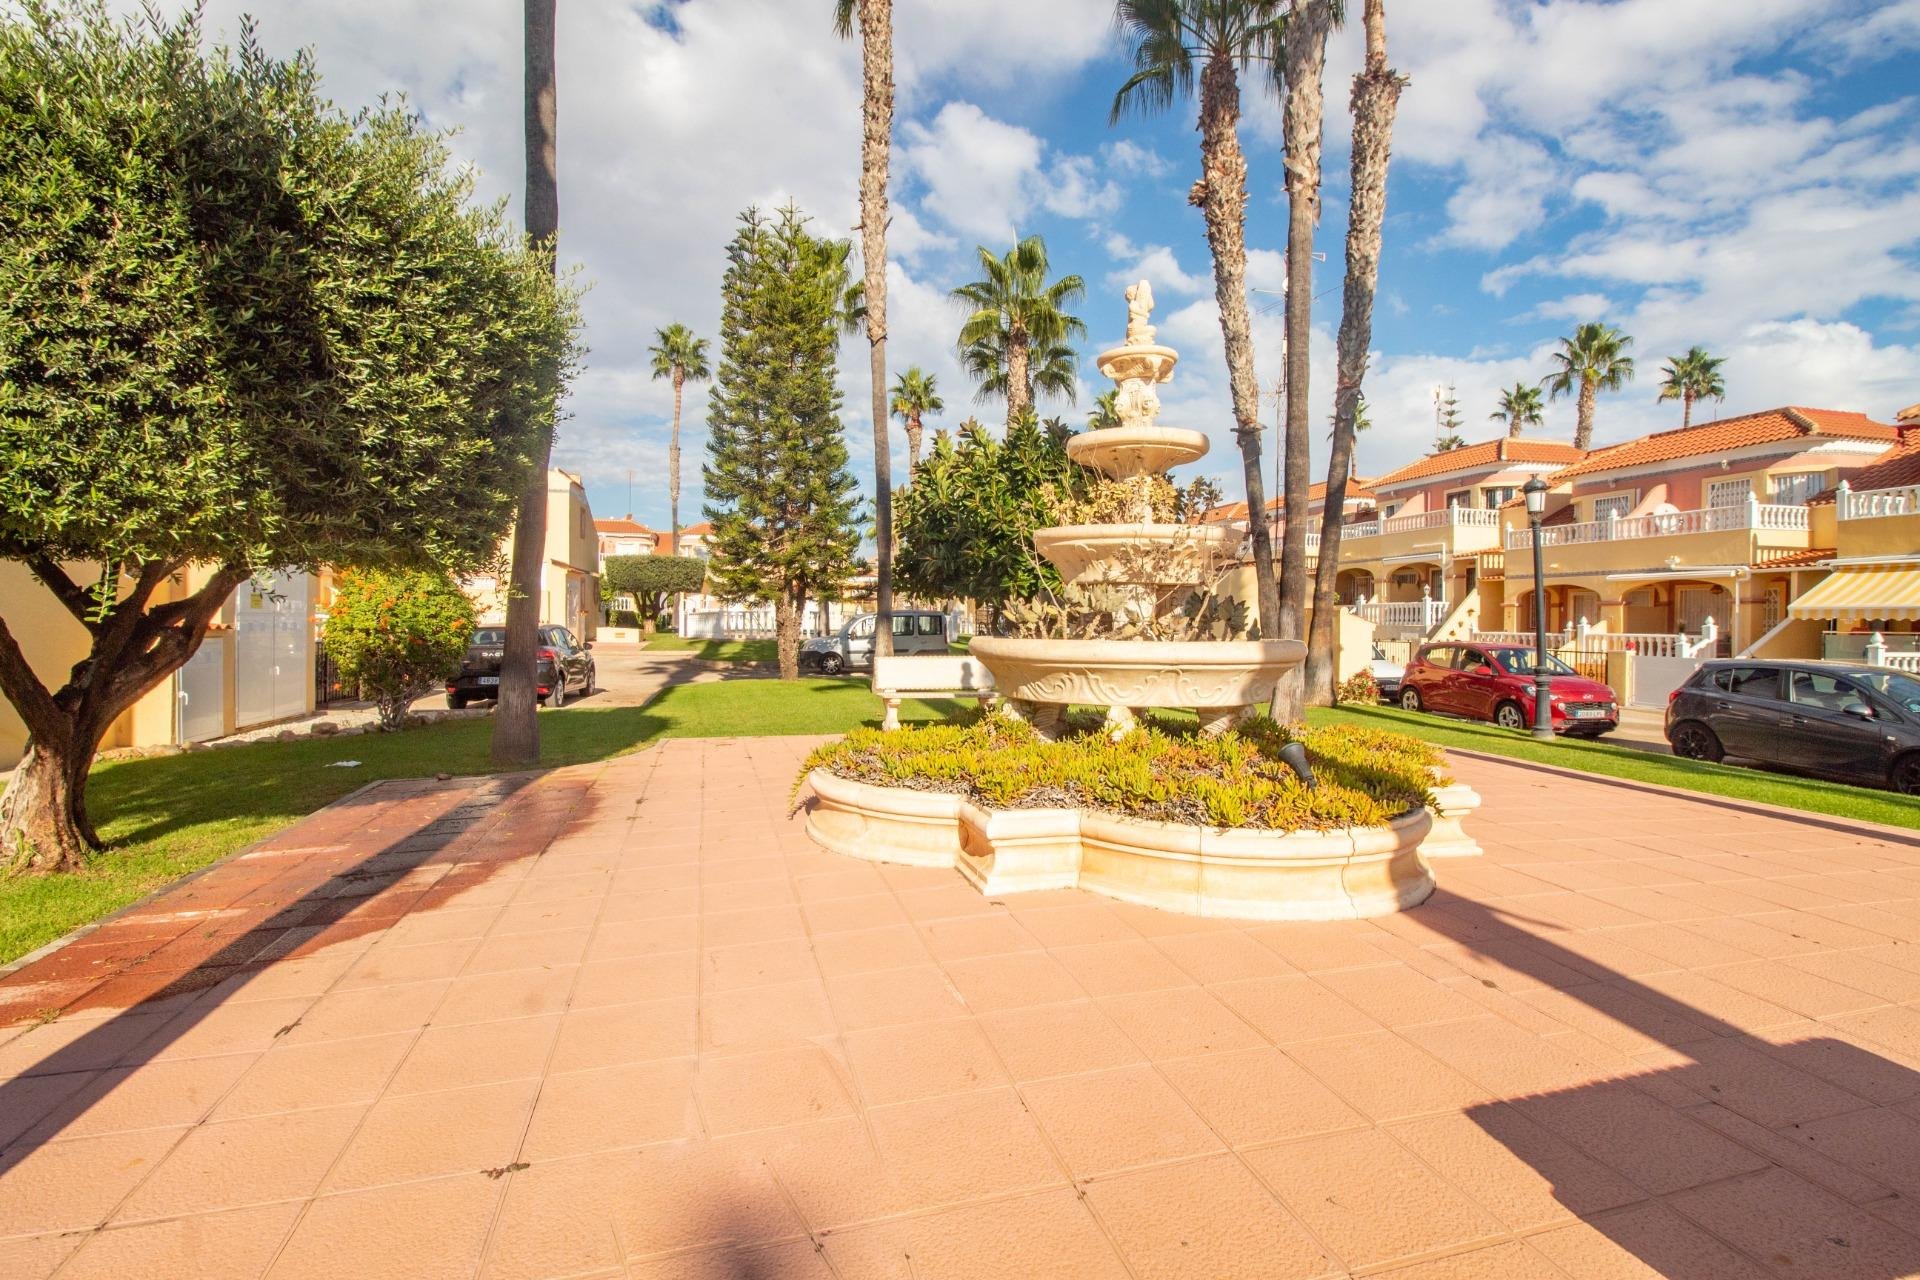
x=875 y=20
x=1594 y=359
x=1693 y=376
x=1014 y=314
x=678 y=355
x=1177 y=43
x=1106 y=412
x=515 y=741
x=914 y=397
x=1052 y=370
x=1519 y=406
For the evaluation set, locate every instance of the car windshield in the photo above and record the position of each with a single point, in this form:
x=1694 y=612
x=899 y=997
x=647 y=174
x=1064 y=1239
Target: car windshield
x=490 y=636
x=1891 y=685
x=1519 y=662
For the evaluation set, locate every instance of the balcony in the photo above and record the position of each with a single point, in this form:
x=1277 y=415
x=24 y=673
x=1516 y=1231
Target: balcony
x=1760 y=516
x=1877 y=504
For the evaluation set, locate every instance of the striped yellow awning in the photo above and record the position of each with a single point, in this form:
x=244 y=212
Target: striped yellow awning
x=1863 y=594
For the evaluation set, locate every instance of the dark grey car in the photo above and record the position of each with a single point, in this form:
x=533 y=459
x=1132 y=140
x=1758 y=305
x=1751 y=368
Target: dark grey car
x=1845 y=720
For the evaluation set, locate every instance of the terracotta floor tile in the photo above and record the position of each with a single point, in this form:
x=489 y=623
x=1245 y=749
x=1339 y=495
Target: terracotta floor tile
x=1116 y=968
x=1386 y=1077
x=1205 y=1220
x=866 y=950
x=1879 y=1143
x=386 y=966
x=764 y=1017
x=1051 y=1234
x=617 y=939
x=740 y=1092
x=1800 y=1229
x=922 y=1060
x=490 y=997
x=1655 y=1146
x=1012 y=981
x=1221 y=957
x=1369 y=1198
x=235 y=1163
x=1060 y=1039
x=1646 y=1242
x=1508 y=1061
x=75 y=1185
x=37 y=1257
x=1258 y=1096
x=624 y=1106
x=1396 y=996
x=221 y=1029
x=1073 y=922
x=966 y=936
x=1180 y=1024
x=28 y=1101
x=352 y=1014
x=846 y=915
x=1523 y=1174
x=416 y=1231
x=1076 y=1113
x=1312 y=947
x=964 y=1147
x=478 y=1053
x=156 y=1095
x=528 y=951
x=77 y=1044
x=798 y=1261
x=212 y=1246
x=1755 y=1084
x=757 y=964
x=294 y=1077
x=1496 y=1262
x=895 y=996
x=1290 y=1009
x=406 y=1137
x=613 y=1034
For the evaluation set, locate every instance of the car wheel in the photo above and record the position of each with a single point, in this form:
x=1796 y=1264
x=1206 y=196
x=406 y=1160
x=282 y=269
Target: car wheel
x=832 y=664
x=456 y=702
x=1410 y=699
x=1694 y=741
x=1905 y=777
x=1509 y=715
x=559 y=696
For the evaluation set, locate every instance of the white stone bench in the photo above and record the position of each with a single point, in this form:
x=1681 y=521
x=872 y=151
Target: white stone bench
x=933 y=674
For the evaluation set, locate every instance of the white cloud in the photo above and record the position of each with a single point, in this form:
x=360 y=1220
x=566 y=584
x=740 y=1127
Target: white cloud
x=1156 y=263
x=978 y=172
x=1125 y=156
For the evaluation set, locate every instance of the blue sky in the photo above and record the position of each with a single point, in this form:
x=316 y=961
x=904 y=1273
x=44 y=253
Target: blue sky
x=1744 y=174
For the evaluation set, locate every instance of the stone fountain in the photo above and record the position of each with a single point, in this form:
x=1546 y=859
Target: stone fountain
x=1223 y=680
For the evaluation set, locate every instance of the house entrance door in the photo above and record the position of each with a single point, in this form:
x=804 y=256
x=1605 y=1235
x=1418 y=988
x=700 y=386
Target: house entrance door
x=1692 y=607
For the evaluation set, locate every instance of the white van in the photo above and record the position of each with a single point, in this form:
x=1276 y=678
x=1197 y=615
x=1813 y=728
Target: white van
x=850 y=648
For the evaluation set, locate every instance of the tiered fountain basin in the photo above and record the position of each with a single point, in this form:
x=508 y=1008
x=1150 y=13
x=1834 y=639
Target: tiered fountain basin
x=1169 y=554
x=1125 y=452
x=1343 y=874
x=1209 y=675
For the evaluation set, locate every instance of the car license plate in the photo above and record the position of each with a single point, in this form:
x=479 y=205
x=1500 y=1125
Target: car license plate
x=1589 y=713
x=489 y=679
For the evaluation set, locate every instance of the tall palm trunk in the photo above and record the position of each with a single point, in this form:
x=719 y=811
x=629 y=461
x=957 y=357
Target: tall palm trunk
x=516 y=726
x=876 y=113
x=1376 y=97
x=1513 y=419
x=673 y=465
x=1221 y=196
x=1583 y=417
x=1686 y=409
x=1306 y=57
x=1019 y=381
x=913 y=443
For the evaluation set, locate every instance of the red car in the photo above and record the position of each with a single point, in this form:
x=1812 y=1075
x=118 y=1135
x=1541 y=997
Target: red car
x=1496 y=682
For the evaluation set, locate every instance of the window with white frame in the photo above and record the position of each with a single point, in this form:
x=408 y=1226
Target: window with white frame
x=1498 y=495
x=1793 y=490
x=1729 y=493
x=1460 y=498
x=1613 y=506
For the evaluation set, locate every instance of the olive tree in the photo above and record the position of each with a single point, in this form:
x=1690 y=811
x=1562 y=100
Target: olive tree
x=238 y=330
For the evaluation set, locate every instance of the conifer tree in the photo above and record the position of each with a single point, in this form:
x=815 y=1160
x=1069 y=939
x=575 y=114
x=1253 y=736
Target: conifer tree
x=779 y=494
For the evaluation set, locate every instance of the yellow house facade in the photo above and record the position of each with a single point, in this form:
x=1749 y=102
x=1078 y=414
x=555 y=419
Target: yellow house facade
x=569 y=571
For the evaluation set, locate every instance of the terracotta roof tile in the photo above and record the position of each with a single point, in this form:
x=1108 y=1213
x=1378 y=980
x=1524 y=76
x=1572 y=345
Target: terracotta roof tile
x=1357 y=491
x=1788 y=423
x=620 y=524
x=1487 y=453
x=1796 y=559
x=701 y=530
x=1894 y=469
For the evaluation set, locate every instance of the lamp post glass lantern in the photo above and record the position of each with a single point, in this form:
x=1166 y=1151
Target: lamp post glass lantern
x=1535 y=492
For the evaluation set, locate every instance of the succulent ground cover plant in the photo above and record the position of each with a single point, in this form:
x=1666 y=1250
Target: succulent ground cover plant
x=1167 y=771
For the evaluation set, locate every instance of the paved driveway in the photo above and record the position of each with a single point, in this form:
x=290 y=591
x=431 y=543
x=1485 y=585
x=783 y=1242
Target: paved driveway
x=626 y=1020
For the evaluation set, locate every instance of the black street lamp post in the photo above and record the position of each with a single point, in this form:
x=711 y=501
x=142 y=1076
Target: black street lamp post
x=1535 y=491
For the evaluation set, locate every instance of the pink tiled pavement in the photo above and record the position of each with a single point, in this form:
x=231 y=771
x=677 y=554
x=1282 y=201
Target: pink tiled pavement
x=627 y=1020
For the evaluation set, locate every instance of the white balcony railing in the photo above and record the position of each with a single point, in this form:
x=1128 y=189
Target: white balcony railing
x=1751 y=515
x=1423 y=614
x=1447 y=518
x=1869 y=504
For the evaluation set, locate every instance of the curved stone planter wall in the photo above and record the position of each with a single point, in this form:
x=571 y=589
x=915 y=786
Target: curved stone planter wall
x=1241 y=874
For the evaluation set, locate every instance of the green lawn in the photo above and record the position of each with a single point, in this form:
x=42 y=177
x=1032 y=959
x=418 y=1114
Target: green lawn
x=168 y=815
x=1733 y=781
x=717 y=650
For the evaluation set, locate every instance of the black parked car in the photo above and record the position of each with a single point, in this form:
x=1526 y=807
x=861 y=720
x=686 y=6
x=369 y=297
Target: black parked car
x=565 y=666
x=1846 y=720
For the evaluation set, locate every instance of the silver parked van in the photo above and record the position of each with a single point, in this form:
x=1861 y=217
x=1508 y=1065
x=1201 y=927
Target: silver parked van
x=851 y=647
